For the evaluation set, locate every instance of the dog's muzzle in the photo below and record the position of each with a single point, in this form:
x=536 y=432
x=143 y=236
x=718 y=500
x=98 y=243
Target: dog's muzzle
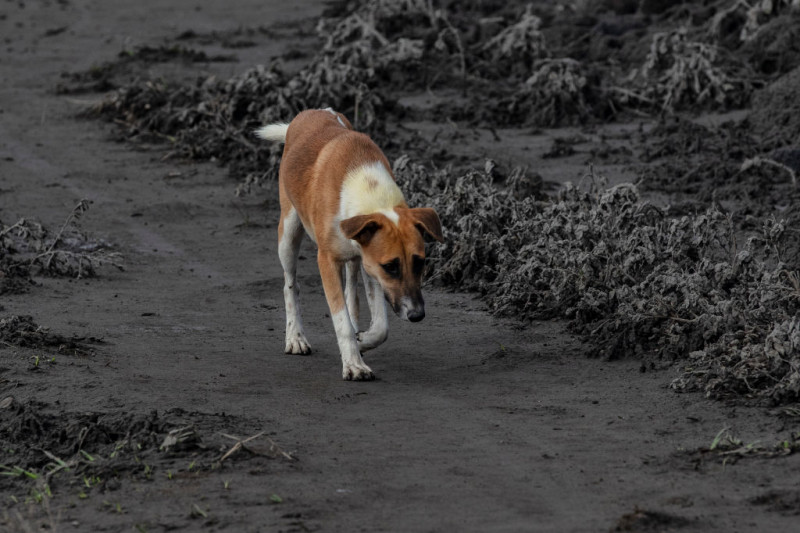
x=415 y=315
x=409 y=309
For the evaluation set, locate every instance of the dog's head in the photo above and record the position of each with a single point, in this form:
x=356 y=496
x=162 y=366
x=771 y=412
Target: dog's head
x=393 y=252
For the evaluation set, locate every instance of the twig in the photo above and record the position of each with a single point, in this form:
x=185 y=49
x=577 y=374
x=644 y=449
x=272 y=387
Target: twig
x=239 y=443
x=18 y=224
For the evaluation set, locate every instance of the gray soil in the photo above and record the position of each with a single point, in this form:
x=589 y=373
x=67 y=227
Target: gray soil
x=474 y=423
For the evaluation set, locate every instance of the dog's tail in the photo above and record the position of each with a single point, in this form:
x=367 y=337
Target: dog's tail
x=273 y=132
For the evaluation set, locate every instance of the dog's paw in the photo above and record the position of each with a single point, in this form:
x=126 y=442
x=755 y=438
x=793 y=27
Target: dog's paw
x=357 y=372
x=297 y=344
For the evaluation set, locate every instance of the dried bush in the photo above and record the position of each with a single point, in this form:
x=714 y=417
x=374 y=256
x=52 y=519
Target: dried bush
x=400 y=42
x=519 y=44
x=359 y=28
x=517 y=81
x=212 y=119
x=633 y=279
x=26 y=247
x=558 y=92
x=680 y=73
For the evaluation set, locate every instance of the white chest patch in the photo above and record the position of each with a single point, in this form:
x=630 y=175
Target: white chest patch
x=370 y=189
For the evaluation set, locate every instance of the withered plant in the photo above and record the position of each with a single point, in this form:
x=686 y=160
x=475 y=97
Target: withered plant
x=27 y=247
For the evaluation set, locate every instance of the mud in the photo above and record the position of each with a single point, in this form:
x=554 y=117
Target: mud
x=182 y=412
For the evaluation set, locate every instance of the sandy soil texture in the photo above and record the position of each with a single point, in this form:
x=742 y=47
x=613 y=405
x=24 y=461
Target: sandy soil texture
x=176 y=409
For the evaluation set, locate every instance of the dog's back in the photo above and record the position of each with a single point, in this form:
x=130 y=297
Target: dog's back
x=321 y=150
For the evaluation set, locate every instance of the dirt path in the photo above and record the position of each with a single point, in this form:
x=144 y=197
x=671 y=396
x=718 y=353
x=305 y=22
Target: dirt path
x=473 y=424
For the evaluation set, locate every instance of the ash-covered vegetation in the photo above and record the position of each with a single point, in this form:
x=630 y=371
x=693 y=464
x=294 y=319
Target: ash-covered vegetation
x=635 y=280
x=711 y=281
x=28 y=248
x=22 y=331
x=90 y=453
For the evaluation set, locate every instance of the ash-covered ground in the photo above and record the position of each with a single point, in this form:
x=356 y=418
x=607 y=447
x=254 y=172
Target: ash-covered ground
x=617 y=183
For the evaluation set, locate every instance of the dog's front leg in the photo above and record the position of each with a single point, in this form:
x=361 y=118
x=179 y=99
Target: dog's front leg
x=351 y=289
x=379 y=323
x=353 y=366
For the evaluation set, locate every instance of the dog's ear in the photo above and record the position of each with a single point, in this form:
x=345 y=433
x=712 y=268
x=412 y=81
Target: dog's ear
x=427 y=221
x=360 y=228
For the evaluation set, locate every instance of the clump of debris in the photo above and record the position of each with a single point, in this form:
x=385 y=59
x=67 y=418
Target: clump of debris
x=27 y=248
x=50 y=451
x=22 y=331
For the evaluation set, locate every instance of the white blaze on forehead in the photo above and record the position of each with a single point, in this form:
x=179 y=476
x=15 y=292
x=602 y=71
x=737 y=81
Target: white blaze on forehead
x=391 y=214
x=370 y=189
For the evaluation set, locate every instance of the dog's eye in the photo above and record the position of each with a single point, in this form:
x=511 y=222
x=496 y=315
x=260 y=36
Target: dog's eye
x=392 y=267
x=417 y=265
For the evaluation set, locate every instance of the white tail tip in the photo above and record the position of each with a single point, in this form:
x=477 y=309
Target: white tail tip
x=273 y=132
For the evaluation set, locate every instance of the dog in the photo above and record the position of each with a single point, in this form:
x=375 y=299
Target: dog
x=337 y=186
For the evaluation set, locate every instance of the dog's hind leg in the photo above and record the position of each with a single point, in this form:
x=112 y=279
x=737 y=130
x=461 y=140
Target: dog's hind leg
x=379 y=323
x=351 y=269
x=290 y=235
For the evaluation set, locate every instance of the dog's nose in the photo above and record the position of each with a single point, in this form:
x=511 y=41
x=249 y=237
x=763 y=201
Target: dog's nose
x=415 y=315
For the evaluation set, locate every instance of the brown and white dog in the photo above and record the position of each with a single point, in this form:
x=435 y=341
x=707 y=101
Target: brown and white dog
x=337 y=185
